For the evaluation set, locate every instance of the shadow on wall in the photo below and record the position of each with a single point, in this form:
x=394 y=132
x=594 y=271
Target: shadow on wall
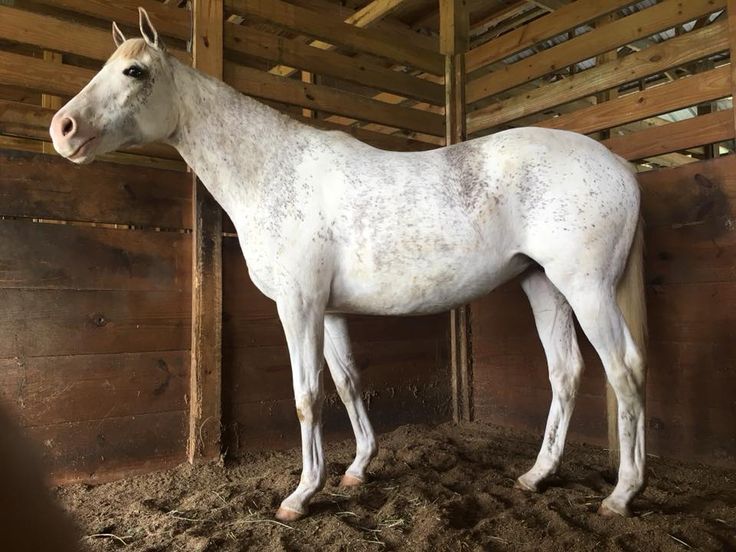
x=30 y=519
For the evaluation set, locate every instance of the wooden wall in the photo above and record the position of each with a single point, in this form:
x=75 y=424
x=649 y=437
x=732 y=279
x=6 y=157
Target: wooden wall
x=690 y=261
x=94 y=324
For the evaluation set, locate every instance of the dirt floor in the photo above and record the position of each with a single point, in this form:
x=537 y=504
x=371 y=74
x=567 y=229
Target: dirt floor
x=445 y=488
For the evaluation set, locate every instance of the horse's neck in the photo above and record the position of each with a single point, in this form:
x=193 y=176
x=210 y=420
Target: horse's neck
x=226 y=137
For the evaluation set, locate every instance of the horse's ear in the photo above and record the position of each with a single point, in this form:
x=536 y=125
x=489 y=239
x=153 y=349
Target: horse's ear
x=148 y=31
x=117 y=35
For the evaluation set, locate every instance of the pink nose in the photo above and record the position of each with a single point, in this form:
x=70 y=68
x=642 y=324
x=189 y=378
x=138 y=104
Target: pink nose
x=63 y=128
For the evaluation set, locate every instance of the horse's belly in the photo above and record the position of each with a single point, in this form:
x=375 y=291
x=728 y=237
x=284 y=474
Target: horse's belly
x=429 y=288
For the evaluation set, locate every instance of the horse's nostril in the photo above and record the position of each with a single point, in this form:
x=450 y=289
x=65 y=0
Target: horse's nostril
x=67 y=127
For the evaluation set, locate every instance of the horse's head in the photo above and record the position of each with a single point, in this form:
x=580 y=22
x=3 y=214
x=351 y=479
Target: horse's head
x=127 y=103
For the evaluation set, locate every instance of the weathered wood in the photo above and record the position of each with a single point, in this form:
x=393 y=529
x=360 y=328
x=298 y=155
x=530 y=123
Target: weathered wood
x=60 y=35
x=731 y=13
x=335 y=30
x=684 y=92
x=454 y=32
x=331 y=100
x=64 y=256
x=101 y=192
x=100 y=450
x=677 y=51
x=293 y=53
x=706 y=129
x=623 y=31
x=68 y=389
x=48 y=322
x=205 y=395
x=167 y=20
x=38 y=74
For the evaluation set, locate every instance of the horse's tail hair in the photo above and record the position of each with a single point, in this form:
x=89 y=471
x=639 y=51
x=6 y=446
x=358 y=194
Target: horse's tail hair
x=630 y=294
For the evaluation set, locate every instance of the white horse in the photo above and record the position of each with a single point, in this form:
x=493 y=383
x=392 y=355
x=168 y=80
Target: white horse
x=329 y=225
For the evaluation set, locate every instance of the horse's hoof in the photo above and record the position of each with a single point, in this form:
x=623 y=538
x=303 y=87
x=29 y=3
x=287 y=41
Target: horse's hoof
x=349 y=480
x=606 y=510
x=524 y=486
x=287 y=515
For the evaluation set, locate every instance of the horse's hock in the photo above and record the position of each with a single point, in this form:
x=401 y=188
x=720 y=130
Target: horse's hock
x=135 y=343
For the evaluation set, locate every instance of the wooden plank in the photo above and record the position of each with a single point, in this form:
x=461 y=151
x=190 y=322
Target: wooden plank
x=370 y=13
x=454 y=40
x=205 y=393
x=37 y=74
x=706 y=129
x=167 y=20
x=331 y=100
x=67 y=389
x=675 y=52
x=115 y=447
x=293 y=53
x=54 y=256
x=60 y=35
x=684 y=92
x=622 y=31
x=47 y=322
x=42 y=186
x=335 y=30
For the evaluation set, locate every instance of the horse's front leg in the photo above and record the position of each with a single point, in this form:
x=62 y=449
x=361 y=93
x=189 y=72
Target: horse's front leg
x=303 y=322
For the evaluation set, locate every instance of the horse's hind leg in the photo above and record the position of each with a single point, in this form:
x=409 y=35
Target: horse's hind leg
x=347 y=381
x=600 y=317
x=553 y=318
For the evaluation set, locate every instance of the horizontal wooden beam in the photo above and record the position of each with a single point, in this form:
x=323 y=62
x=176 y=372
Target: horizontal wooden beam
x=38 y=74
x=168 y=21
x=543 y=28
x=335 y=30
x=690 y=133
x=331 y=100
x=59 y=35
x=674 y=52
x=294 y=53
x=684 y=92
x=603 y=39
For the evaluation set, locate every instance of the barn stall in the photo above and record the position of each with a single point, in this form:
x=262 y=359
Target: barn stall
x=136 y=350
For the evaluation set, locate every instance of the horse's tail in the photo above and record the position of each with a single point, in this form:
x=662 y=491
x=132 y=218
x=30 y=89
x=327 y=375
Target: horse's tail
x=630 y=293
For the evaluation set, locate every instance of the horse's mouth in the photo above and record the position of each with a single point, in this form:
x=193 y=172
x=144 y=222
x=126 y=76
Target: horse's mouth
x=80 y=153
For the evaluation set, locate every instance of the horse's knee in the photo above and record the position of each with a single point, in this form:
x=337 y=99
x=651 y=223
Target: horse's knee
x=309 y=406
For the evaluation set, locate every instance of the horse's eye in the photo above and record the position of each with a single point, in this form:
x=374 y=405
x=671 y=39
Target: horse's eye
x=134 y=72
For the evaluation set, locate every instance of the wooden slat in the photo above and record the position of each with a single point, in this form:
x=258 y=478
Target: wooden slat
x=205 y=393
x=167 y=20
x=706 y=129
x=54 y=256
x=731 y=6
x=101 y=450
x=293 y=53
x=544 y=28
x=684 y=92
x=67 y=322
x=63 y=36
x=37 y=74
x=677 y=51
x=331 y=100
x=68 y=389
x=100 y=192
x=334 y=30
x=620 y=32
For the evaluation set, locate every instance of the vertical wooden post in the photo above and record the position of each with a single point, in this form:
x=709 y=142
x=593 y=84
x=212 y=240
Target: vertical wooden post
x=205 y=398
x=454 y=31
